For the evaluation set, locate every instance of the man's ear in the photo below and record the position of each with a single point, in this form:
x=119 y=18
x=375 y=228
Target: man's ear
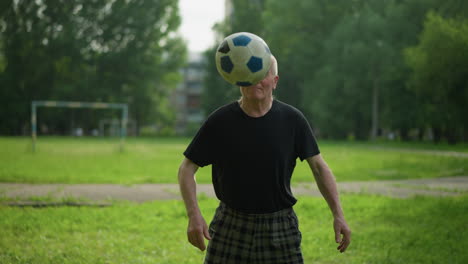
x=276 y=81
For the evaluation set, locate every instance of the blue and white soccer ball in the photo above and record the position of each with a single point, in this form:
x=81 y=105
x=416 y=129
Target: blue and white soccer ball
x=243 y=59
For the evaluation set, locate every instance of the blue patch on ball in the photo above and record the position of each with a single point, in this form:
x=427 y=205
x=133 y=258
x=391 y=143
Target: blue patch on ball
x=226 y=64
x=241 y=40
x=244 y=84
x=255 y=64
x=224 y=47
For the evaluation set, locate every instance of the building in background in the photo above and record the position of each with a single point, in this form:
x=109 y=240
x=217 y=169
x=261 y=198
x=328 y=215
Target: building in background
x=187 y=97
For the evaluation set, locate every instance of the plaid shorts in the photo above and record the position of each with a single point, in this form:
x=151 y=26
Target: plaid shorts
x=242 y=238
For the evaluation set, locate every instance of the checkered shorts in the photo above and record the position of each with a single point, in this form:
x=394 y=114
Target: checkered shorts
x=254 y=238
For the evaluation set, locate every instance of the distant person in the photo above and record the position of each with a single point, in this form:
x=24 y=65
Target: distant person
x=79 y=132
x=252 y=145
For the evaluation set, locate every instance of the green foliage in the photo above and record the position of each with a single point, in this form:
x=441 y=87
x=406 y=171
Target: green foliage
x=439 y=64
x=385 y=230
x=109 y=51
x=246 y=17
x=343 y=63
x=217 y=91
x=295 y=31
x=156 y=160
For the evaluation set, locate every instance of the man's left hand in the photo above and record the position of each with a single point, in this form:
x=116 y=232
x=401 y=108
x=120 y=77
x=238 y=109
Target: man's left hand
x=341 y=228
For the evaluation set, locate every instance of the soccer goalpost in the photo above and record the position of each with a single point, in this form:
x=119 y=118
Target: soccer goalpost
x=36 y=104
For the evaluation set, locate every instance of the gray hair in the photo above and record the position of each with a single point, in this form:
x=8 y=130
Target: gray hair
x=274 y=66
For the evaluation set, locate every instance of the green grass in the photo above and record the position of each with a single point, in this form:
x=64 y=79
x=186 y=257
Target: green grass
x=94 y=160
x=414 y=145
x=385 y=230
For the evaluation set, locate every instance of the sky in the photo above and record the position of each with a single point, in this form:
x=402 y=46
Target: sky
x=198 y=18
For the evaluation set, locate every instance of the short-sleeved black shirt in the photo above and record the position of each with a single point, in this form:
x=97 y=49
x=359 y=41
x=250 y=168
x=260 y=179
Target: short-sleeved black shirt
x=253 y=158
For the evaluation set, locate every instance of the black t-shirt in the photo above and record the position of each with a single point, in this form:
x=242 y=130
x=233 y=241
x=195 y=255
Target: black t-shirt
x=253 y=158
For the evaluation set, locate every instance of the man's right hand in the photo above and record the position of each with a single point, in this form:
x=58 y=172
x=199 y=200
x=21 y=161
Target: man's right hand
x=197 y=231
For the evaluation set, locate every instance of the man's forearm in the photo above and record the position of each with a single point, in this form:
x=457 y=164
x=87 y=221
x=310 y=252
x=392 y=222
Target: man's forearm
x=188 y=189
x=327 y=186
x=197 y=229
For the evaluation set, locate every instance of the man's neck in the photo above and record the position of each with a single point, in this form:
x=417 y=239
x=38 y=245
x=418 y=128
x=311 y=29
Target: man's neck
x=254 y=108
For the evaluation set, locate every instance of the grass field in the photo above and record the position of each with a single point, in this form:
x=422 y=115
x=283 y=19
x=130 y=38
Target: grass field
x=385 y=230
x=96 y=160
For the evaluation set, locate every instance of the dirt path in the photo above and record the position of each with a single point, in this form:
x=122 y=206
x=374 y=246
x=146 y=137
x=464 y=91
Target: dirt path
x=22 y=193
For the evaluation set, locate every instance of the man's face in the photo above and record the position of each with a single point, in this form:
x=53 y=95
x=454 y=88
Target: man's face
x=262 y=90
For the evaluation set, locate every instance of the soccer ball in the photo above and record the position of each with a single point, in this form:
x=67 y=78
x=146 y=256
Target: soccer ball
x=243 y=59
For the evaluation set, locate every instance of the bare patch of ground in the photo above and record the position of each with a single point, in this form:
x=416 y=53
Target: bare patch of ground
x=102 y=194
x=450 y=186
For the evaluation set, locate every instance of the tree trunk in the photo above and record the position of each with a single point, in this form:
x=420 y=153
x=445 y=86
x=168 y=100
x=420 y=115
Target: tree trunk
x=451 y=135
x=404 y=134
x=437 y=134
x=375 y=111
x=420 y=134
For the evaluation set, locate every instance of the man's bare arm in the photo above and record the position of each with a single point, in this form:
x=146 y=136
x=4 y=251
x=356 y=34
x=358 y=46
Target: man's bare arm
x=197 y=228
x=327 y=186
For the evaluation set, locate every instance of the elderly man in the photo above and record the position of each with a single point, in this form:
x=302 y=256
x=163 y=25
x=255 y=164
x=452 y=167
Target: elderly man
x=252 y=145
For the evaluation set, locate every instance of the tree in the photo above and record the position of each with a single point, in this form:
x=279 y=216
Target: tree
x=344 y=62
x=216 y=90
x=439 y=66
x=296 y=32
x=338 y=67
x=113 y=51
x=401 y=108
